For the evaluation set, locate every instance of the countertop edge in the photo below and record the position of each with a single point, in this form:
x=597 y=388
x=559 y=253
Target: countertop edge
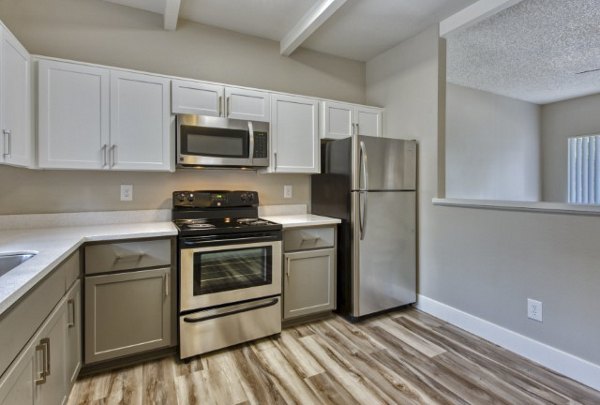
x=302 y=220
x=13 y=297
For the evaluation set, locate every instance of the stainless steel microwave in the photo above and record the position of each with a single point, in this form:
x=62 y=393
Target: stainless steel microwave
x=221 y=142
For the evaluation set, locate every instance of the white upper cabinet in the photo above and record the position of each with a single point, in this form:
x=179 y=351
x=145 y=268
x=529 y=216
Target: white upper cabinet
x=214 y=100
x=369 y=121
x=15 y=102
x=73 y=116
x=336 y=120
x=140 y=122
x=341 y=120
x=295 y=141
x=245 y=104
x=96 y=118
x=197 y=98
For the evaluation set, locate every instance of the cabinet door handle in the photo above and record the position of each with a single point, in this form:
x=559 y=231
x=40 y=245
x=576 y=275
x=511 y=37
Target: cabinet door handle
x=42 y=374
x=287 y=267
x=227 y=107
x=275 y=162
x=7 y=142
x=220 y=106
x=104 y=155
x=113 y=155
x=71 y=313
x=167 y=286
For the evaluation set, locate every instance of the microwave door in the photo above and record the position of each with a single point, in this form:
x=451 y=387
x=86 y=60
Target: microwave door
x=222 y=143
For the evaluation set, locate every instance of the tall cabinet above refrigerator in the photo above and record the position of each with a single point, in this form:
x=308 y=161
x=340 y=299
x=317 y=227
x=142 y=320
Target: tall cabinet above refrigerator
x=370 y=184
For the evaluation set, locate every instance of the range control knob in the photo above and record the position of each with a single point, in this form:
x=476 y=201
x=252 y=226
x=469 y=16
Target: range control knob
x=191 y=198
x=250 y=196
x=181 y=197
x=244 y=197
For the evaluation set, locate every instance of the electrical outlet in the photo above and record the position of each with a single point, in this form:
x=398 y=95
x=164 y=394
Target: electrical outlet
x=126 y=192
x=287 y=191
x=534 y=310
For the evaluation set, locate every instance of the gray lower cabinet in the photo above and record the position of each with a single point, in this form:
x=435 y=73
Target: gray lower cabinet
x=127 y=313
x=44 y=370
x=310 y=273
x=309 y=282
x=40 y=373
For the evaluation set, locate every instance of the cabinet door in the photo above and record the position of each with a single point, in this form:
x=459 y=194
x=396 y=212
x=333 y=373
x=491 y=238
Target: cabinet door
x=336 y=120
x=73 y=334
x=249 y=105
x=73 y=116
x=17 y=385
x=127 y=313
x=52 y=335
x=197 y=98
x=369 y=121
x=140 y=130
x=15 y=101
x=309 y=285
x=294 y=135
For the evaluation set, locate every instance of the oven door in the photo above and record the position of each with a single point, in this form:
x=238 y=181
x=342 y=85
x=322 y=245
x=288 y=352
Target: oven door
x=228 y=273
x=214 y=141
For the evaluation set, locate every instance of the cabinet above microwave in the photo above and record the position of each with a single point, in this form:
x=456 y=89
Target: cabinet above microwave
x=213 y=100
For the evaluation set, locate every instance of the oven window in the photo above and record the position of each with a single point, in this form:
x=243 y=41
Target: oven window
x=234 y=269
x=213 y=142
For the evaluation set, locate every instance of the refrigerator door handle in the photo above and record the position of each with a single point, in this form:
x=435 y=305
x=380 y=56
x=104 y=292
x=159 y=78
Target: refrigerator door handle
x=364 y=173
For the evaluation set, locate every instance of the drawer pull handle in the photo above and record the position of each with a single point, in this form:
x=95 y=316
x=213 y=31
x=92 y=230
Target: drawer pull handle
x=315 y=240
x=136 y=257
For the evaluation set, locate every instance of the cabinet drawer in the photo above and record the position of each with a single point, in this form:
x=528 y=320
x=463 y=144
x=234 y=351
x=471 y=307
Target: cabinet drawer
x=308 y=238
x=107 y=258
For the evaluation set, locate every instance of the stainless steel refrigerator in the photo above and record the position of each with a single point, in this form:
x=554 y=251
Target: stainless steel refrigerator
x=370 y=184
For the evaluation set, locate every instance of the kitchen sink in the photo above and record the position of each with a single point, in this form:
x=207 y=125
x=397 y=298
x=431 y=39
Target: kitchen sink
x=9 y=261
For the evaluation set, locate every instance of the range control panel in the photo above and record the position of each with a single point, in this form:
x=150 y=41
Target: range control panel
x=214 y=199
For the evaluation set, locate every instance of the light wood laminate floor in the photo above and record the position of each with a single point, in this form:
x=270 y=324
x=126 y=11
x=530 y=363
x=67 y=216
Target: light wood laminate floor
x=406 y=357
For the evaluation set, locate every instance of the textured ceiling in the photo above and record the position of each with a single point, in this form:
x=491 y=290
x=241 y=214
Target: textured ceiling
x=532 y=51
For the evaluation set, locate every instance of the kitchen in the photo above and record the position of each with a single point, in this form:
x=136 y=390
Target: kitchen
x=114 y=41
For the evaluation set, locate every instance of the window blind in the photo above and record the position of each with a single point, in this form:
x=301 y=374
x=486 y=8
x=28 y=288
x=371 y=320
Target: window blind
x=584 y=170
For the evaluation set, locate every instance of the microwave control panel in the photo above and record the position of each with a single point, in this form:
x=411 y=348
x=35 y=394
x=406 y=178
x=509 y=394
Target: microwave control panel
x=261 y=145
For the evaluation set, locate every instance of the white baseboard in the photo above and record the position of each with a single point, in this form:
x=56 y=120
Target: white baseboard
x=564 y=363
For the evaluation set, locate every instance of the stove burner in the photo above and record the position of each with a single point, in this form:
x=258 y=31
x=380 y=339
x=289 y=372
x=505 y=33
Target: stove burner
x=200 y=226
x=252 y=221
x=198 y=223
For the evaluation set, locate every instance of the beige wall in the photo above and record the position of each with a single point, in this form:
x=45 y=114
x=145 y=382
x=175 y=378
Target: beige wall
x=487 y=262
x=23 y=191
x=96 y=31
x=492 y=146
x=560 y=121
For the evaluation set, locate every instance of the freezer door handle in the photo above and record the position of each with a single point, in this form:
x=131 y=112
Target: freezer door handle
x=364 y=173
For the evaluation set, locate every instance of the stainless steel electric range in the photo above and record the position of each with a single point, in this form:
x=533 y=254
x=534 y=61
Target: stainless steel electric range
x=229 y=270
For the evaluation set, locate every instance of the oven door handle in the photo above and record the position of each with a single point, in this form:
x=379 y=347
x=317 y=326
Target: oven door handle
x=213 y=241
x=231 y=310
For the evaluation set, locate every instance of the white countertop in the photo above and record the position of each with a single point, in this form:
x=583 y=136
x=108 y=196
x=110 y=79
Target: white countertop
x=53 y=245
x=302 y=220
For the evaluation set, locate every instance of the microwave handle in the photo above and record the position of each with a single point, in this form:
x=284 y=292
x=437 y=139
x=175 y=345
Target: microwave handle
x=251 y=133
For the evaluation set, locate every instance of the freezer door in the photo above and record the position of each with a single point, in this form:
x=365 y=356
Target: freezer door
x=384 y=251
x=383 y=164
